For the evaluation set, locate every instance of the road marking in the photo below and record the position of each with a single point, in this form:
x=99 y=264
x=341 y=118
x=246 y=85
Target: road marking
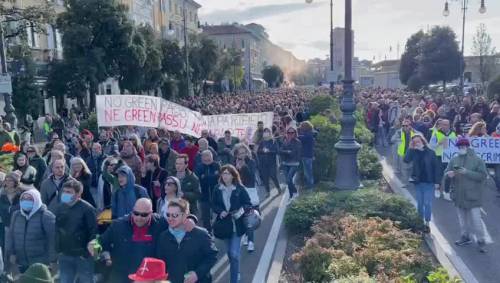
x=442 y=248
x=267 y=254
x=223 y=261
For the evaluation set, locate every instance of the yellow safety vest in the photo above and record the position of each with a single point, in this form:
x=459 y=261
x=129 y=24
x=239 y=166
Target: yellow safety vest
x=401 y=147
x=439 y=137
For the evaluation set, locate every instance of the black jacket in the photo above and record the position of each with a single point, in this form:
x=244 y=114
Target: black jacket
x=75 y=226
x=7 y=208
x=291 y=152
x=86 y=180
x=209 y=178
x=126 y=254
x=239 y=199
x=40 y=166
x=196 y=252
x=425 y=166
x=247 y=173
x=159 y=175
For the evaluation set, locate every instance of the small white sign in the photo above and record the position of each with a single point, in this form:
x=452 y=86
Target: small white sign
x=5 y=84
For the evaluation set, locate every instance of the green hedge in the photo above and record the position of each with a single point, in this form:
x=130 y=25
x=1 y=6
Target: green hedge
x=324 y=151
x=320 y=103
x=369 y=164
x=370 y=201
x=90 y=124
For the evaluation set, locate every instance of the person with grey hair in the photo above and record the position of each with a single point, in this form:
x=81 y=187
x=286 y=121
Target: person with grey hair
x=81 y=172
x=203 y=145
x=208 y=173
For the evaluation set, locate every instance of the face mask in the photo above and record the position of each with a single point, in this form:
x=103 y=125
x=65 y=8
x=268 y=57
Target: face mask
x=26 y=205
x=266 y=135
x=177 y=233
x=462 y=151
x=66 y=198
x=420 y=147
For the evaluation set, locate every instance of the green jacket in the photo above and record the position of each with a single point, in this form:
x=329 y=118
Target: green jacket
x=467 y=188
x=190 y=186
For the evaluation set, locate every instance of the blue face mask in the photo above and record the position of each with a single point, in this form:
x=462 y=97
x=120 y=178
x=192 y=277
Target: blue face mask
x=26 y=205
x=66 y=198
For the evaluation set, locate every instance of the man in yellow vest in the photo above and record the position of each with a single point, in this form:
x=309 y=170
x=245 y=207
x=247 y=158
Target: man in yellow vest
x=439 y=142
x=403 y=138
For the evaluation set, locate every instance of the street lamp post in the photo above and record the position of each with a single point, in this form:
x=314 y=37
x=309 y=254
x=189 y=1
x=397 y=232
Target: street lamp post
x=332 y=82
x=186 y=51
x=9 y=108
x=446 y=13
x=346 y=175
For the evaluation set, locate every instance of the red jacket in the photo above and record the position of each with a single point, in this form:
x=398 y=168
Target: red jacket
x=191 y=152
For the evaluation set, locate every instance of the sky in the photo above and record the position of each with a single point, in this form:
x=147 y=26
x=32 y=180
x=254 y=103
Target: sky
x=379 y=25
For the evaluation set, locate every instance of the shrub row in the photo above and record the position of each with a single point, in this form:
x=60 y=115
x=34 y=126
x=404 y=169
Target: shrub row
x=345 y=245
x=302 y=213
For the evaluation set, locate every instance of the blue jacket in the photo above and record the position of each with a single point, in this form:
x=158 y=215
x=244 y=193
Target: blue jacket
x=123 y=199
x=209 y=178
x=308 y=142
x=125 y=253
x=267 y=158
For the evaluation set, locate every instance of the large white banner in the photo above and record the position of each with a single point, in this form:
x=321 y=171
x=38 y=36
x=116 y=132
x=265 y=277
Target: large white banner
x=153 y=112
x=242 y=125
x=486 y=148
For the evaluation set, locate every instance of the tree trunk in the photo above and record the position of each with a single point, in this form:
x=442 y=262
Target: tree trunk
x=444 y=86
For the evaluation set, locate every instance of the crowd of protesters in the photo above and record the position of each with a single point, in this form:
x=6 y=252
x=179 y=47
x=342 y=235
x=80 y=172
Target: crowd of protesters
x=102 y=206
x=417 y=129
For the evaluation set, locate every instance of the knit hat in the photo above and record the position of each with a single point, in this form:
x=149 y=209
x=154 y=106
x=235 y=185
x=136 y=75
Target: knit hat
x=37 y=273
x=462 y=141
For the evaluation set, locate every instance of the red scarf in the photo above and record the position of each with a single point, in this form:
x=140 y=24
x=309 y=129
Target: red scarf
x=140 y=234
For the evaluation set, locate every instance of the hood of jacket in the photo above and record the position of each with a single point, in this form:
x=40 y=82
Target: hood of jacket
x=130 y=176
x=37 y=202
x=177 y=183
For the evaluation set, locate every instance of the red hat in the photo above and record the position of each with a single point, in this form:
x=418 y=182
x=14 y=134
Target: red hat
x=151 y=269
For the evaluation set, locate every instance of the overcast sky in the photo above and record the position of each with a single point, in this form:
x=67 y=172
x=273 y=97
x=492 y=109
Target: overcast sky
x=378 y=24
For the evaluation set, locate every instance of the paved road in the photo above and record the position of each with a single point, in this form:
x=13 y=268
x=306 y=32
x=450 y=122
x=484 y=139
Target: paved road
x=484 y=267
x=249 y=261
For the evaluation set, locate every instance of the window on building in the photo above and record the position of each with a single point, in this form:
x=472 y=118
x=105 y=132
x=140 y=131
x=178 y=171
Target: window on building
x=242 y=43
x=108 y=88
x=32 y=36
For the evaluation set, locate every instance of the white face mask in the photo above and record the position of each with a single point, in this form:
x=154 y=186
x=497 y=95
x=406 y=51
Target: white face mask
x=420 y=147
x=462 y=151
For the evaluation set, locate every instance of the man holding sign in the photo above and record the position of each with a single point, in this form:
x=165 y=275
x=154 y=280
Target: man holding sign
x=468 y=173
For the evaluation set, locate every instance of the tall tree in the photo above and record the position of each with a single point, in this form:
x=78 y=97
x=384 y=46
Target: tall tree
x=96 y=36
x=27 y=97
x=172 y=65
x=230 y=66
x=482 y=47
x=202 y=60
x=408 y=70
x=440 y=58
x=273 y=75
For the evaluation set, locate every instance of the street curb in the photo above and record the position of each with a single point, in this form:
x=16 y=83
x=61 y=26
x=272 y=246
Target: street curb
x=224 y=260
x=279 y=255
x=271 y=242
x=438 y=244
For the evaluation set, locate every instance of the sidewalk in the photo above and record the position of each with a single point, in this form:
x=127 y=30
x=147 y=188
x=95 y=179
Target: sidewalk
x=483 y=268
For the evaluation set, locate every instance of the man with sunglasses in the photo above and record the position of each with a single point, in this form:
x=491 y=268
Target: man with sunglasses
x=133 y=237
x=189 y=254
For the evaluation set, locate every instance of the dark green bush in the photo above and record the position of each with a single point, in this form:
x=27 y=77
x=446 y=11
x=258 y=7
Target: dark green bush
x=320 y=103
x=324 y=152
x=302 y=213
x=369 y=164
x=494 y=88
x=370 y=201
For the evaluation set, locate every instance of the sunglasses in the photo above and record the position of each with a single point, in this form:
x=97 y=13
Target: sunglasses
x=173 y=215
x=141 y=214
